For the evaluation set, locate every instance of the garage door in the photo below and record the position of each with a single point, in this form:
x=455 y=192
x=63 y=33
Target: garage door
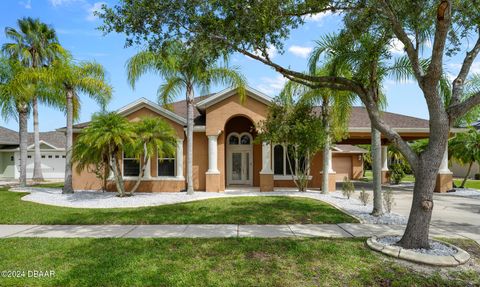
x=343 y=167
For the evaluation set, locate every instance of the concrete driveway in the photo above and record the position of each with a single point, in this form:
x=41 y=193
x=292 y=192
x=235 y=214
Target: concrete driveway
x=450 y=212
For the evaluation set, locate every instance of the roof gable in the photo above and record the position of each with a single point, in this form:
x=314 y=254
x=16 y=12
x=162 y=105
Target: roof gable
x=144 y=103
x=222 y=95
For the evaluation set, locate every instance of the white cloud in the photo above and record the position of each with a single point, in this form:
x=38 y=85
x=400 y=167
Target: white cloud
x=97 y=6
x=396 y=47
x=56 y=3
x=271 y=51
x=272 y=86
x=302 y=52
x=26 y=4
x=319 y=17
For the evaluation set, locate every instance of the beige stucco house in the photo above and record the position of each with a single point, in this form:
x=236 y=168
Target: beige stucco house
x=224 y=151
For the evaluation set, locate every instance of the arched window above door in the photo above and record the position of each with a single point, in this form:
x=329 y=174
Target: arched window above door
x=239 y=139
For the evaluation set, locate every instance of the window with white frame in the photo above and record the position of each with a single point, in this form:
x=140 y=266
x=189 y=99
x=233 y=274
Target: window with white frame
x=131 y=165
x=283 y=165
x=166 y=166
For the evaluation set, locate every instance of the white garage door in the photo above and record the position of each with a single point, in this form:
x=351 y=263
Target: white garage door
x=343 y=167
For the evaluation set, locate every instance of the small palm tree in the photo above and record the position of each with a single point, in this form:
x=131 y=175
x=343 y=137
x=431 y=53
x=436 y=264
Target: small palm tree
x=183 y=68
x=71 y=80
x=465 y=148
x=16 y=92
x=109 y=135
x=35 y=45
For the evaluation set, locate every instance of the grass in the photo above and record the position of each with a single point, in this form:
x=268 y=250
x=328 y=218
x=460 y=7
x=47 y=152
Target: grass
x=215 y=262
x=407 y=178
x=49 y=185
x=237 y=210
x=471 y=183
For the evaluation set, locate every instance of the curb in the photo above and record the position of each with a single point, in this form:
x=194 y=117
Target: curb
x=458 y=258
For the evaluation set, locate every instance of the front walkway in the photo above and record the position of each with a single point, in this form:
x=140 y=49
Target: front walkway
x=342 y=230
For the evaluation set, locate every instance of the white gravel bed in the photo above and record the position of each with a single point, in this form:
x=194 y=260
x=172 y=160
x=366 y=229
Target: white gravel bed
x=436 y=248
x=95 y=199
x=464 y=192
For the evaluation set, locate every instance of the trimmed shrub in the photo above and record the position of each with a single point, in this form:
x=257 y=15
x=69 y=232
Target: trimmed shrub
x=477 y=176
x=397 y=173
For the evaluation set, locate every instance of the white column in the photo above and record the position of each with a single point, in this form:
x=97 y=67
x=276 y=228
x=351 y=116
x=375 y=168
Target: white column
x=148 y=170
x=330 y=162
x=179 y=158
x=444 y=164
x=266 y=158
x=384 y=158
x=212 y=155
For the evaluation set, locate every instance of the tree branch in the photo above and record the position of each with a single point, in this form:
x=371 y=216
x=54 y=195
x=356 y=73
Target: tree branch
x=458 y=110
x=412 y=51
x=459 y=82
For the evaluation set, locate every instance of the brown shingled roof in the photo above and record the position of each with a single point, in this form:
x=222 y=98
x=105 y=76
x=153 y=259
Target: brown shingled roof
x=10 y=137
x=358 y=117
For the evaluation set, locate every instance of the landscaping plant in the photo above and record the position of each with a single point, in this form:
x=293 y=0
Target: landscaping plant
x=348 y=188
x=364 y=197
x=397 y=173
x=388 y=200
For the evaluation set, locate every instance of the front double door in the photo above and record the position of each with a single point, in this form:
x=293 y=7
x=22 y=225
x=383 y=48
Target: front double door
x=240 y=165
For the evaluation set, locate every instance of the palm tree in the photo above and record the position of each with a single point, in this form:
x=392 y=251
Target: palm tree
x=16 y=92
x=183 y=68
x=35 y=44
x=109 y=135
x=335 y=112
x=72 y=79
x=465 y=148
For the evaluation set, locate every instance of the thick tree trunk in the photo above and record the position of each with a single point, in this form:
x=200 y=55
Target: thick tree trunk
x=190 y=140
x=376 y=150
x=68 y=185
x=416 y=233
x=467 y=175
x=37 y=160
x=23 y=137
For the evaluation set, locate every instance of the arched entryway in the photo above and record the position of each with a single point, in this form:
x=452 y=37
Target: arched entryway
x=239 y=151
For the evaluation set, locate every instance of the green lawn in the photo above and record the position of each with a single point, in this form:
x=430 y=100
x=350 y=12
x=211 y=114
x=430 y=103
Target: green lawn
x=238 y=210
x=215 y=262
x=49 y=185
x=407 y=178
x=469 y=184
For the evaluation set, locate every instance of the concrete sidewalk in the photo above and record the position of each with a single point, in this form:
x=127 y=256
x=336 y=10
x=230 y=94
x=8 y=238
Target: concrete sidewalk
x=342 y=230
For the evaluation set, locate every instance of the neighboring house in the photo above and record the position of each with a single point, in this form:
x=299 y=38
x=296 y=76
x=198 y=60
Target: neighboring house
x=225 y=154
x=52 y=148
x=460 y=170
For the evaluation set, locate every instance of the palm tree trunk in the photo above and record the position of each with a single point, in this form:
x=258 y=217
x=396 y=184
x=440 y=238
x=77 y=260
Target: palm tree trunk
x=376 y=151
x=190 y=139
x=467 y=175
x=37 y=161
x=146 y=161
x=23 y=137
x=68 y=186
x=326 y=149
x=117 y=174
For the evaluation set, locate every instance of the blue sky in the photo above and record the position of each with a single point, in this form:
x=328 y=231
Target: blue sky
x=76 y=28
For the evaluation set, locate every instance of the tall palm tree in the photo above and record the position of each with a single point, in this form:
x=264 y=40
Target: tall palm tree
x=183 y=68
x=72 y=79
x=335 y=112
x=16 y=92
x=35 y=44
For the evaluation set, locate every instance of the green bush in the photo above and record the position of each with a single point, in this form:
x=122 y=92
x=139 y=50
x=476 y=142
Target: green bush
x=397 y=173
x=347 y=187
x=477 y=176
